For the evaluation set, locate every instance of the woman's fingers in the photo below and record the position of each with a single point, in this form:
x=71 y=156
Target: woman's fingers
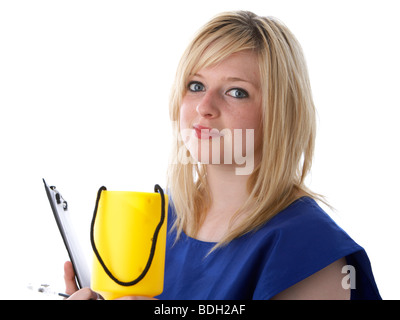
x=85 y=294
x=69 y=278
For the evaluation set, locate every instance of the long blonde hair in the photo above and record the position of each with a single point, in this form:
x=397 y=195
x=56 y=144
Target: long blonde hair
x=288 y=121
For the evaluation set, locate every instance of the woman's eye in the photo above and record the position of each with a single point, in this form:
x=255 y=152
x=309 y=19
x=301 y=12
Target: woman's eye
x=196 y=86
x=238 y=93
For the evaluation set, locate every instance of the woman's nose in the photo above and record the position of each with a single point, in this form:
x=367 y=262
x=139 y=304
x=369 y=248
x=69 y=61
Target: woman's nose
x=208 y=106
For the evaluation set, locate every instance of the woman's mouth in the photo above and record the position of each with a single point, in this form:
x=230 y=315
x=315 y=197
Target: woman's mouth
x=206 y=132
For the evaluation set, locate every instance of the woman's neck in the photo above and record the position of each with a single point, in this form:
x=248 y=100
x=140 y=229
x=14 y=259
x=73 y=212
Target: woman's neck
x=228 y=190
x=228 y=194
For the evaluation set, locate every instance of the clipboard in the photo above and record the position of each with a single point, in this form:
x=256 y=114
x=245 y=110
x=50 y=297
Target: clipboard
x=59 y=207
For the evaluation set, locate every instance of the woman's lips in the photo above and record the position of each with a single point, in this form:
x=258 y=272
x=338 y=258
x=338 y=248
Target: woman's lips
x=206 y=132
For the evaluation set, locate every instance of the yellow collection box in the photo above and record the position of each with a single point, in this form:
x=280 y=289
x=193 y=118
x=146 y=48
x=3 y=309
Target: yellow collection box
x=128 y=236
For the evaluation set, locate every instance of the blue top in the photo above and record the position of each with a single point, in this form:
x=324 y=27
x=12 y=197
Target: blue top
x=297 y=242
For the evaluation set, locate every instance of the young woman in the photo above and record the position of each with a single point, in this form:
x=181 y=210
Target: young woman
x=242 y=224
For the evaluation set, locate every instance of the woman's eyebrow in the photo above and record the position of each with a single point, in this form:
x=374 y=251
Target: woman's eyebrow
x=196 y=75
x=237 y=79
x=231 y=79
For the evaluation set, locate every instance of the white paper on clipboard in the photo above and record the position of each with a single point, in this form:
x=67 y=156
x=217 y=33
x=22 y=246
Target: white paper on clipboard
x=59 y=207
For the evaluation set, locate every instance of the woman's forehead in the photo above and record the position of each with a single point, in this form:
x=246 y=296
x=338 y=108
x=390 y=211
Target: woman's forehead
x=243 y=65
x=238 y=66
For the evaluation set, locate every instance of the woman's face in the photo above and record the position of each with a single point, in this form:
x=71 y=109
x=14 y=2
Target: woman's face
x=220 y=116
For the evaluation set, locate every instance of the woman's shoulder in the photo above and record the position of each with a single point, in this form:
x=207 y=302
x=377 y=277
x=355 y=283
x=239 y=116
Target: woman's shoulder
x=305 y=240
x=303 y=210
x=304 y=229
x=305 y=221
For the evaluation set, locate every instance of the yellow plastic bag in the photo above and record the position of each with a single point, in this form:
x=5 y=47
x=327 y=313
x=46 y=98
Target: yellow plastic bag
x=128 y=236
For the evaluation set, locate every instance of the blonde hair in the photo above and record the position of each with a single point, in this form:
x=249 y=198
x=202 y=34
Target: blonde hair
x=288 y=121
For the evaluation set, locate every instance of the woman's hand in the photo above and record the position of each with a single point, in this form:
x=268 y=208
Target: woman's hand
x=86 y=293
x=136 y=298
x=72 y=289
x=69 y=278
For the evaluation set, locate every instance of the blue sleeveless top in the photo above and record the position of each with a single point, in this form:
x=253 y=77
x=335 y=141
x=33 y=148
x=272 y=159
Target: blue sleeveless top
x=297 y=242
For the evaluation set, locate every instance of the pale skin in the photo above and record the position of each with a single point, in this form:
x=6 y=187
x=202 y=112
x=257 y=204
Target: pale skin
x=225 y=96
x=228 y=95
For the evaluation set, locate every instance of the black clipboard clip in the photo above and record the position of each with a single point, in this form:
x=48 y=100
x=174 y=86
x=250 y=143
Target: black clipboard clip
x=59 y=207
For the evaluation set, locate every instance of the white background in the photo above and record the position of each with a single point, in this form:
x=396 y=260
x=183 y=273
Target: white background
x=84 y=89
